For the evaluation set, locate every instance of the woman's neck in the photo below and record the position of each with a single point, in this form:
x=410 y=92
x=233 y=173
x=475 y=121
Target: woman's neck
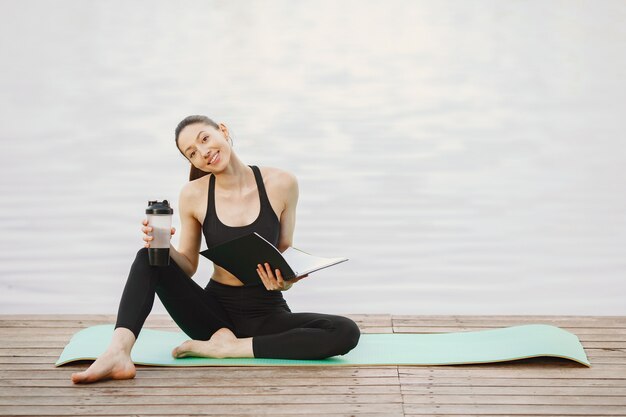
x=235 y=176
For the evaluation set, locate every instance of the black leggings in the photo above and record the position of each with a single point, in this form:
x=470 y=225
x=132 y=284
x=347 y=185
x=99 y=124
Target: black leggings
x=248 y=311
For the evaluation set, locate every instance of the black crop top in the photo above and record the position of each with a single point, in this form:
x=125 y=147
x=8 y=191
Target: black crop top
x=266 y=224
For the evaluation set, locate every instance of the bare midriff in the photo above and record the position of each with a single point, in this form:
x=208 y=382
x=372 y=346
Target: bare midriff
x=224 y=277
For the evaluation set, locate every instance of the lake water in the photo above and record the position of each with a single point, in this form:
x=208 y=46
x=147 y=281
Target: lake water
x=467 y=156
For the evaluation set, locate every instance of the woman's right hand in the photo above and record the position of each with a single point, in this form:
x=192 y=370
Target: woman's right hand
x=147 y=229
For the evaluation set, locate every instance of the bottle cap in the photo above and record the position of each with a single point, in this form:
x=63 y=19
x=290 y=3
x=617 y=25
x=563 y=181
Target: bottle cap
x=159 y=207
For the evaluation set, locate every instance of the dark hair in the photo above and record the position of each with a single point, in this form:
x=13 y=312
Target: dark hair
x=194 y=173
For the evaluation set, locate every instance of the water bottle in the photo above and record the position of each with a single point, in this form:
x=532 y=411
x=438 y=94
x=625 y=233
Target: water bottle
x=160 y=219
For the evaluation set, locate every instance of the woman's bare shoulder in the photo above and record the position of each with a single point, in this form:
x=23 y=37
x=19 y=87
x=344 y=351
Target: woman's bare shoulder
x=194 y=189
x=278 y=178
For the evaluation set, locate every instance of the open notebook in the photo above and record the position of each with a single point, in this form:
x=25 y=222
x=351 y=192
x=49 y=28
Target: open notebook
x=241 y=256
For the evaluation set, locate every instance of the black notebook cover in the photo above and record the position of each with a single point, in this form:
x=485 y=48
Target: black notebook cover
x=241 y=256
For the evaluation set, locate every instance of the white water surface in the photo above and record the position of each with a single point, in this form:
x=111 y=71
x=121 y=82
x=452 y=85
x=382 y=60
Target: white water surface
x=466 y=156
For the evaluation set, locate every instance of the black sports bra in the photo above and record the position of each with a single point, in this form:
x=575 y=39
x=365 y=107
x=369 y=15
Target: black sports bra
x=266 y=223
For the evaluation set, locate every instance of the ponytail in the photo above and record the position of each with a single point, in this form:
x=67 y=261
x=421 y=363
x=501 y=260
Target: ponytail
x=195 y=173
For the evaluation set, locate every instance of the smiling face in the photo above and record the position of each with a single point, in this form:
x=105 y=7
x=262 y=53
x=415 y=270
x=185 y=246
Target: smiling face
x=205 y=146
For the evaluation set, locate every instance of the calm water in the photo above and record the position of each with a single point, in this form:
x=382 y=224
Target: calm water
x=467 y=156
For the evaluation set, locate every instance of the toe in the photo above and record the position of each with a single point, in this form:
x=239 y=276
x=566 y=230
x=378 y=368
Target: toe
x=79 y=377
x=179 y=351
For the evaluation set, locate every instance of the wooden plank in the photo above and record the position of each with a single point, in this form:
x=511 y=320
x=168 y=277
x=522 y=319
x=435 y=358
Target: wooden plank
x=205 y=399
x=71 y=317
x=514 y=409
x=360 y=414
x=365 y=329
x=446 y=327
x=517 y=373
x=578 y=331
x=80 y=365
x=25 y=359
x=110 y=389
x=592 y=344
x=201 y=413
x=200 y=382
x=208 y=409
x=612 y=321
x=408 y=383
x=50 y=352
x=466 y=414
x=488 y=322
x=434 y=317
x=224 y=372
x=44 y=332
x=463 y=388
x=516 y=399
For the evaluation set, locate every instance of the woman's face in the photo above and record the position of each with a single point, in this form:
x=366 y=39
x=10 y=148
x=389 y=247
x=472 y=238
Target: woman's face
x=205 y=146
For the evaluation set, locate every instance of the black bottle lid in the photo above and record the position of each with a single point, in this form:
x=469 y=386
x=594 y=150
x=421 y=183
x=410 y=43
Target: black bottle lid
x=159 y=207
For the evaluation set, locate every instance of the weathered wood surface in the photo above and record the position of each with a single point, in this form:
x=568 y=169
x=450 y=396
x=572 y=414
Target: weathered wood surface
x=31 y=385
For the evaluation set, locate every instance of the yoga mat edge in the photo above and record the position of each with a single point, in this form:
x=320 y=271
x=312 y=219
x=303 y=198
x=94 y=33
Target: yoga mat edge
x=153 y=348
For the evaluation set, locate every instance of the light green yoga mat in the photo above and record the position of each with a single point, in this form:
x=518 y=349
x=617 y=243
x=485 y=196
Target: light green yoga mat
x=154 y=347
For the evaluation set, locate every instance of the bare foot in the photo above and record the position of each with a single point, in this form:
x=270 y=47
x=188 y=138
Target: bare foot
x=218 y=346
x=110 y=365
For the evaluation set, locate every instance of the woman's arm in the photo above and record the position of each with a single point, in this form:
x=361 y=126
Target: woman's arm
x=288 y=187
x=191 y=233
x=285 y=186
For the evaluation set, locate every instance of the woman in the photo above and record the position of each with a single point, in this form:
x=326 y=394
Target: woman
x=224 y=199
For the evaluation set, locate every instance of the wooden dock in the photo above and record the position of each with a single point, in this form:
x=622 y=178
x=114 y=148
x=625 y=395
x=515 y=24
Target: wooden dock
x=31 y=385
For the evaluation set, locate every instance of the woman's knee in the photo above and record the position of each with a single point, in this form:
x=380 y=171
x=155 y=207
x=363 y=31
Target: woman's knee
x=141 y=268
x=142 y=262
x=142 y=254
x=143 y=259
x=347 y=333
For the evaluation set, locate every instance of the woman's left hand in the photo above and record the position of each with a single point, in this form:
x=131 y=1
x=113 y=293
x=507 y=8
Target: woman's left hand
x=274 y=281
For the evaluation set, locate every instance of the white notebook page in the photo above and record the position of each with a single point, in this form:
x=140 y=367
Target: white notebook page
x=303 y=263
